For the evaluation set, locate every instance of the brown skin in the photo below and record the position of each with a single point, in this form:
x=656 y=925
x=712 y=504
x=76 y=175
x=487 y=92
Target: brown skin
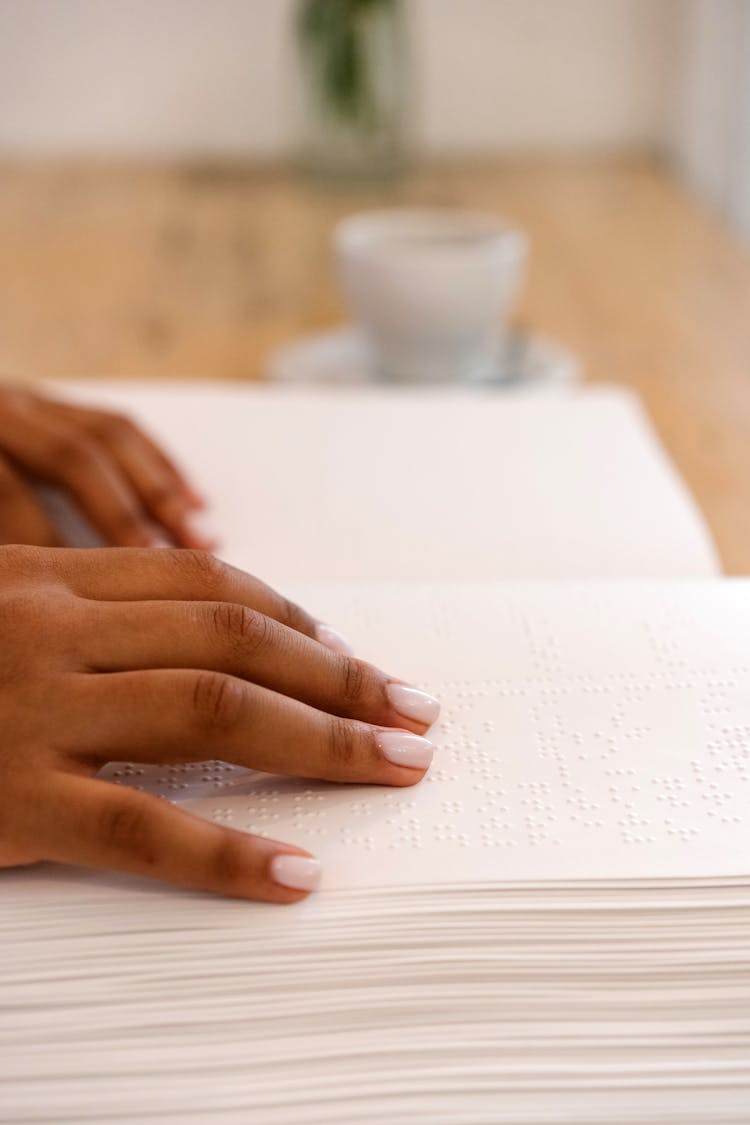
x=132 y=493
x=166 y=656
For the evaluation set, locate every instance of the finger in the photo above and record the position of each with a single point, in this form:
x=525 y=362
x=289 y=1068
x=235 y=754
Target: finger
x=162 y=488
x=57 y=452
x=110 y=426
x=230 y=638
x=175 y=716
x=173 y=575
x=22 y=517
x=96 y=824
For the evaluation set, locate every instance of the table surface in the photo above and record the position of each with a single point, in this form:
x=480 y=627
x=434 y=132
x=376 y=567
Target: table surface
x=201 y=270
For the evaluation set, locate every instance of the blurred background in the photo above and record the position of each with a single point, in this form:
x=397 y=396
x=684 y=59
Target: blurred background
x=170 y=170
x=216 y=78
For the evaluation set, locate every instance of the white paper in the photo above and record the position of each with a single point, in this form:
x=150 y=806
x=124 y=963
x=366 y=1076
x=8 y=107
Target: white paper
x=478 y=971
x=595 y=731
x=408 y=484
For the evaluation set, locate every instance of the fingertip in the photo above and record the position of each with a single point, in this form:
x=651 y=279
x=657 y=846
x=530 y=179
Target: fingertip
x=405 y=778
x=197 y=532
x=194 y=498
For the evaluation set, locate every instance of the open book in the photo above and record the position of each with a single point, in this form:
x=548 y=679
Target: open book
x=392 y=484
x=553 y=926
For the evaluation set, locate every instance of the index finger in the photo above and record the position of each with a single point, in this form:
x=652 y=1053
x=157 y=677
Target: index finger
x=133 y=574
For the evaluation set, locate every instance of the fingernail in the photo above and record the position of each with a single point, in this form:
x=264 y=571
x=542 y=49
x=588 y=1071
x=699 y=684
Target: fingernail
x=198 y=524
x=405 y=749
x=333 y=639
x=160 y=541
x=299 y=872
x=413 y=703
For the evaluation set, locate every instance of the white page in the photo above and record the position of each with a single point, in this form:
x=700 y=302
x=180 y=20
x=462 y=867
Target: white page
x=411 y=484
x=592 y=731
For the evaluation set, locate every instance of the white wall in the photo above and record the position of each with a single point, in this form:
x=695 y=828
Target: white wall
x=705 y=95
x=212 y=76
x=739 y=205
x=533 y=74
x=710 y=134
x=142 y=75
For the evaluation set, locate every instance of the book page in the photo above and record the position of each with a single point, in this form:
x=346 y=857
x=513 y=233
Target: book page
x=589 y=731
x=443 y=485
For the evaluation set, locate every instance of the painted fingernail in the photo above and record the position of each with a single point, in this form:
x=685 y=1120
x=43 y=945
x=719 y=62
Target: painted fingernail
x=413 y=703
x=298 y=872
x=333 y=639
x=405 y=749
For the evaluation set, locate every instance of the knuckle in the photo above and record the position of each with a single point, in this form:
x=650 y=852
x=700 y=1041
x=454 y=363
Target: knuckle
x=111 y=428
x=242 y=630
x=205 y=573
x=72 y=453
x=228 y=866
x=216 y=701
x=353 y=682
x=342 y=742
x=124 y=825
x=295 y=617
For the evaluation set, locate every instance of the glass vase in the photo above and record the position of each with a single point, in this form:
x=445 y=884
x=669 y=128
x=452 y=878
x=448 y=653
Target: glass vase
x=352 y=87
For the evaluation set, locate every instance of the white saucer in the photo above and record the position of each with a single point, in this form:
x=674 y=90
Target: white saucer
x=341 y=357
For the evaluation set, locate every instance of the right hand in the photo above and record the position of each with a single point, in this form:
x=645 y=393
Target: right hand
x=126 y=485
x=169 y=656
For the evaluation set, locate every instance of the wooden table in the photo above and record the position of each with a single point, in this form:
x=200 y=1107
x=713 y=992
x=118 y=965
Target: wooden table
x=201 y=271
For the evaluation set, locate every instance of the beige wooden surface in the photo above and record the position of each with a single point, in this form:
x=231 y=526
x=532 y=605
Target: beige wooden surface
x=162 y=272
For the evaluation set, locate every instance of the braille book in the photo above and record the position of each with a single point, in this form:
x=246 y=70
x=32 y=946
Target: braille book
x=455 y=484
x=553 y=926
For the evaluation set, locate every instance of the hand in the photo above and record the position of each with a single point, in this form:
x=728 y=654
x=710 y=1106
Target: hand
x=171 y=656
x=129 y=489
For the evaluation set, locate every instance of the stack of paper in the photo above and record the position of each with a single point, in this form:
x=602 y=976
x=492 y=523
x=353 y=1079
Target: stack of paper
x=406 y=484
x=553 y=927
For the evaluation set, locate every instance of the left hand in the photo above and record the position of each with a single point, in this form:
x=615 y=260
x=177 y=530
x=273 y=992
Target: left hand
x=127 y=486
x=173 y=657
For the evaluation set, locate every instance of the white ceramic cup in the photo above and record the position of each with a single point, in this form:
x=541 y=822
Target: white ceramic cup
x=431 y=289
